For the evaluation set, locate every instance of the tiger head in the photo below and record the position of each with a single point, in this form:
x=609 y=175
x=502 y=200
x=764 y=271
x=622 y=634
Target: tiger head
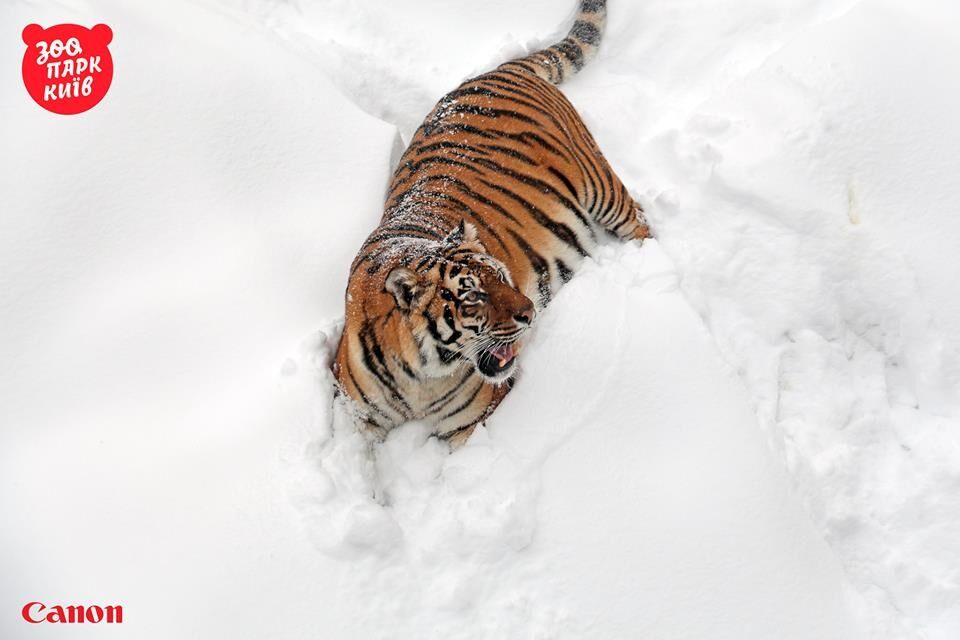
x=460 y=303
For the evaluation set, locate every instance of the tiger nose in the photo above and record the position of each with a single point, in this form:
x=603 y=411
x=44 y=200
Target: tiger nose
x=526 y=314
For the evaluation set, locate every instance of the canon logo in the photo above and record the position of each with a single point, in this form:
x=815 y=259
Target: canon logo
x=37 y=612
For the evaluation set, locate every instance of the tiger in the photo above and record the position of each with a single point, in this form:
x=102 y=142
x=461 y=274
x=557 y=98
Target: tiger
x=497 y=199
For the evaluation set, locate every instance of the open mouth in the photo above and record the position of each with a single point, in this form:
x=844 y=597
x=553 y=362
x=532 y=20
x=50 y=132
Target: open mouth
x=494 y=362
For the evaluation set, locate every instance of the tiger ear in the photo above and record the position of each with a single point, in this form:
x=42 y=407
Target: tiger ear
x=463 y=233
x=407 y=289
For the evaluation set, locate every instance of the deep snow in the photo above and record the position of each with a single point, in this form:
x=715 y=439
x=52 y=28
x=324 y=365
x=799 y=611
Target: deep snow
x=757 y=438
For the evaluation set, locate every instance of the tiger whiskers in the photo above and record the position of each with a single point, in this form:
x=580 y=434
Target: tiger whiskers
x=475 y=346
x=486 y=343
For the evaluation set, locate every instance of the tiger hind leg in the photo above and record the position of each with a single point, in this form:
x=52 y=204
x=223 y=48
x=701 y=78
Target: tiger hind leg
x=624 y=218
x=636 y=227
x=616 y=211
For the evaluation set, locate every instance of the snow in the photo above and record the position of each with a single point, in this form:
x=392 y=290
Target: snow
x=756 y=438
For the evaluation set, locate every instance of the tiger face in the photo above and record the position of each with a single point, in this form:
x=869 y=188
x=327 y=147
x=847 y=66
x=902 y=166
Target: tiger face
x=462 y=305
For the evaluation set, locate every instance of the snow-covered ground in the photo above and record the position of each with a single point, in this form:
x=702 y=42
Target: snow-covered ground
x=744 y=429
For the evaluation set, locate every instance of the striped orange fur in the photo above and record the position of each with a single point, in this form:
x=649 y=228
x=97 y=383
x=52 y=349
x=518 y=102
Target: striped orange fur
x=500 y=195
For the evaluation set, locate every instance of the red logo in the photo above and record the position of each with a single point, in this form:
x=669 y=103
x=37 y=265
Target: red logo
x=67 y=68
x=37 y=612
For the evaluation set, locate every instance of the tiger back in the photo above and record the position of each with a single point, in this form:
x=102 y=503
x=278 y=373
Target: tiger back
x=499 y=196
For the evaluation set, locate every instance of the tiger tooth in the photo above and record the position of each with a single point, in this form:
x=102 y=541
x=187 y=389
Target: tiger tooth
x=505 y=354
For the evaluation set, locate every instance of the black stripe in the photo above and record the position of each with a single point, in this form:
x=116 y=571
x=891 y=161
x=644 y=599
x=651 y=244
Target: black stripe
x=381 y=360
x=446 y=144
x=539 y=265
x=586 y=32
x=490 y=112
x=466 y=404
x=555 y=62
x=385 y=319
x=435 y=333
x=415 y=167
x=383 y=376
x=572 y=52
x=566 y=181
x=601 y=199
x=565 y=272
x=526 y=136
x=513 y=153
x=426 y=263
x=432 y=328
x=443 y=400
x=523 y=65
x=469 y=89
x=449 y=434
x=393 y=231
x=446 y=355
x=406 y=368
x=364 y=397
x=448 y=318
x=592 y=6
x=437 y=128
x=459 y=253
x=611 y=205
